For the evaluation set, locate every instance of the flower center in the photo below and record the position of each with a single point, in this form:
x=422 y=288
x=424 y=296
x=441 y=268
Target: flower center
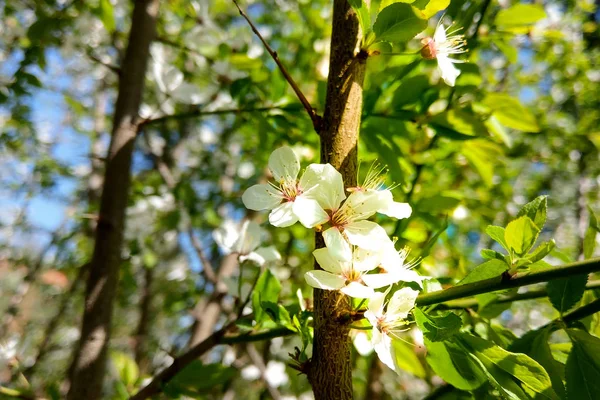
x=289 y=190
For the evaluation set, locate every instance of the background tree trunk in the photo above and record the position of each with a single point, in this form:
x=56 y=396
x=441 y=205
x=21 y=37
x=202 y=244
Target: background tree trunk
x=88 y=368
x=330 y=371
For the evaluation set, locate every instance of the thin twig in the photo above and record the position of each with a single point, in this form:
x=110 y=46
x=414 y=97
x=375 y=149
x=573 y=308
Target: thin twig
x=199 y=112
x=315 y=118
x=217 y=338
x=97 y=60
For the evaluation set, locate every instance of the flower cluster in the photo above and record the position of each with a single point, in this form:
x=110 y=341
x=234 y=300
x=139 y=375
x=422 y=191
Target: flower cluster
x=358 y=257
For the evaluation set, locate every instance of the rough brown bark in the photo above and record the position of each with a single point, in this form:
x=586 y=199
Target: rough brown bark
x=330 y=372
x=88 y=368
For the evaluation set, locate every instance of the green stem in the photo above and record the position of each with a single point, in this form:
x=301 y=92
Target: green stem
x=398 y=54
x=532 y=294
x=257 y=337
x=506 y=281
x=582 y=312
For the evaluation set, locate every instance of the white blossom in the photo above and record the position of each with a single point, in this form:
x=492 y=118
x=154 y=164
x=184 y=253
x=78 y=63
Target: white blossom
x=245 y=240
x=343 y=273
x=440 y=47
x=289 y=197
x=389 y=322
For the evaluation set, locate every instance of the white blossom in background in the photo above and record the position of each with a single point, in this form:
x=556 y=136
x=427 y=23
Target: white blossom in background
x=389 y=321
x=341 y=274
x=275 y=374
x=170 y=80
x=290 y=197
x=440 y=47
x=362 y=343
x=245 y=240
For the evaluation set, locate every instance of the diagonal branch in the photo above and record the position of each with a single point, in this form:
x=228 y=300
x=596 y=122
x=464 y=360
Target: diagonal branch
x=199 y=112
x=506 y=281
x=217 y=338
x=315 y=118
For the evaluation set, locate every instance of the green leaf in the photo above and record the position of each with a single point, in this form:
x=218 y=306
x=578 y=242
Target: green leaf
x=429 y=8
x=490 y=254
x=278 y=314
x=499 y=379
x=451 y=363
x=535 y=344
x=107 y=15
x=407 y=360
x=497 y=130
x=483 y=155
x=531 y=376
x=511 y=113
x=362 y=12
x=487 y=270
x=126 y=368
x=520 y=235
x=398 y=23
x=541 y=251
x=497 y=233
x=267 y=290
x=198 y=378
x=582 y=371
x=410 y=91
x=437 y=327
x=536 y=211
x=440 y=203
x=520 y=15
x=457 y=124
x=566 y=292
x=589 y=240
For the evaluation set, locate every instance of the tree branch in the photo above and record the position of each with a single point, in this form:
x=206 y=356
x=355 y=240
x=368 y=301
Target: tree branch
x=217 y=338
x=199 y=112
x=507 y=282
x=531 y=295
x=315 y=118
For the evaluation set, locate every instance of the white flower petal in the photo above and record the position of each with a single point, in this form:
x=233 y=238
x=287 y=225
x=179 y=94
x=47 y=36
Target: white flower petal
x=330 y=192
x=264 y=255
x=447 y=70
x=367 y=235
x=327 y=261
x=401 y=303
x=365 y=204
x=371 y=317
x=396 y=210
x=261 y=197
x=377 y=281
x=337 y=245
x=384 y=351
x=283 y=215
x=284 y=164
x=375 y=307
x=227 y=236
x=249 y=238
x=309 y=212
x=324 y=280
x=440 y=33
x=365 y=260
x=358 y=290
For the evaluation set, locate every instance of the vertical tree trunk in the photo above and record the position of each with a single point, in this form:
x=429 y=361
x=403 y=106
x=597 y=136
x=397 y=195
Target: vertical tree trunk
x=88 y=368
x=330 y=372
